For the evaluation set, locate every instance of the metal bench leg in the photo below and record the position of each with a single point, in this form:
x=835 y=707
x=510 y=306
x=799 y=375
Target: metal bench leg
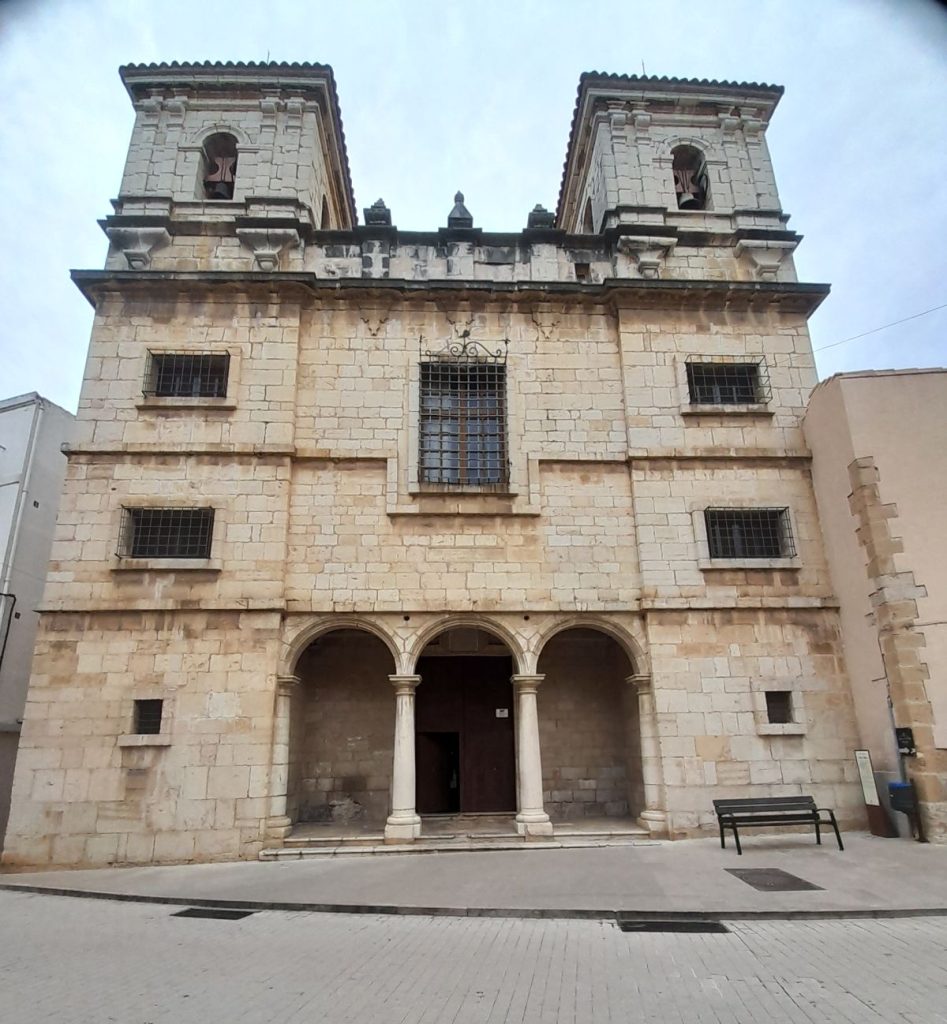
x=736 y=836
x=835 y=826
x=723 y=841
x=818 y=831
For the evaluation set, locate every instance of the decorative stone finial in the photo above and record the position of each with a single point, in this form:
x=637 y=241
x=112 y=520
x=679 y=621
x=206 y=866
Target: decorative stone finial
x=460 y=216
x=540 y=217
x=377 y=214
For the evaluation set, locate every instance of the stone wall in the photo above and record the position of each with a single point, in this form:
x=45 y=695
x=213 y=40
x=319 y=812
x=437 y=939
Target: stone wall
x=88 y=791
x=342 y=742
x=585 y=718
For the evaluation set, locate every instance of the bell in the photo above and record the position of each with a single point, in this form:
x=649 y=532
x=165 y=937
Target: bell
x=218 y=190
x=687 y=201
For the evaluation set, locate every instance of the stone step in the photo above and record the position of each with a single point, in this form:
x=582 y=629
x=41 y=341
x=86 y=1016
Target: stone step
x=451 y=844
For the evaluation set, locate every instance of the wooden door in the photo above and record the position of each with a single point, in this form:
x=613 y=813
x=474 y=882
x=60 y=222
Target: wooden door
x=473 y=698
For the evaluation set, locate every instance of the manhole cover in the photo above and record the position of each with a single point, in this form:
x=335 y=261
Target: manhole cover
x=713 y=927
x=772 y=879
x=214 y=913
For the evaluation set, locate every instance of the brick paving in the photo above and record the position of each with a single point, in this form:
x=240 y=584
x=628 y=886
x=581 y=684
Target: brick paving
x=93 y=962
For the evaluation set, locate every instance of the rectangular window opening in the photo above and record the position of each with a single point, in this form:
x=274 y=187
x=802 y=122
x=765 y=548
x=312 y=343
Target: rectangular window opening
x=749 y=533
x=148 y=717
x=187 y=375
x=166 y=532
x=724 y=383
x=463 y=423
x=779 y=707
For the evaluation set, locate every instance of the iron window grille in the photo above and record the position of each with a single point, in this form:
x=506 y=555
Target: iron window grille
x=187 y=375
x=462 y=430
x=727 y=383
x=148 y=717
x=166 y=532
x=749 y=533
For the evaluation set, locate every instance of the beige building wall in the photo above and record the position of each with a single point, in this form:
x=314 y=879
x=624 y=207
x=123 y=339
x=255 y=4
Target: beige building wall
x=324 y=528
x=880 y=474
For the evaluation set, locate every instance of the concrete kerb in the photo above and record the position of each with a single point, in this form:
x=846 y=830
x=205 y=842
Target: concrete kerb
x=546 y=913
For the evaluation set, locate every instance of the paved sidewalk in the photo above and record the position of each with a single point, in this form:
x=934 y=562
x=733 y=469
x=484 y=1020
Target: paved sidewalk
x=79 y=961
x=871 y=876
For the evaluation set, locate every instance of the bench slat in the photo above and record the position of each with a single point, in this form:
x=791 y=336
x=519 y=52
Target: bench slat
x=787 y=803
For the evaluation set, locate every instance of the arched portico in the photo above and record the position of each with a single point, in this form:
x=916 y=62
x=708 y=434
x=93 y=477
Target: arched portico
x=441 y=626
x=596 y=725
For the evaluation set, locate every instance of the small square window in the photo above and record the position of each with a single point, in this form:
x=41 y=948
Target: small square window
x=148 y=717
x=166 y=532
x=583 y=272
x=724 y=383
x=779 y=707
x=749 y=533
x=187 y=375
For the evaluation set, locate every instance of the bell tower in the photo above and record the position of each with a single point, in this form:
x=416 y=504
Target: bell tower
x=254 y=151
x=677 y=162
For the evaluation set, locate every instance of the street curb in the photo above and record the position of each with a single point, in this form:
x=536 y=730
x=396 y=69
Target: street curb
x=539 y=913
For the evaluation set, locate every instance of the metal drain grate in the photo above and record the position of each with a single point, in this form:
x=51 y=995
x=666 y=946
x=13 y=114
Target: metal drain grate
x=214 y=913
x=772 y=880
x=705 y=927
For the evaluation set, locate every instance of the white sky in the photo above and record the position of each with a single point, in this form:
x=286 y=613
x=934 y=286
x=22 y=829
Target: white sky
x=439 y=95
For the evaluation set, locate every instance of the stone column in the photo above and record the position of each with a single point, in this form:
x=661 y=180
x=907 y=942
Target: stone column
x=531 y=819
x=278 y=825
x=403 y=823
x=654 y=816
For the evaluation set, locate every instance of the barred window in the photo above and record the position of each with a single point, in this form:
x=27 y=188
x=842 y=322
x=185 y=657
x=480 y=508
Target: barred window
x=722 y=383
x=187 y=375
x=749 y=533
x=166 y=532
x=148 y=717
x=463 y=418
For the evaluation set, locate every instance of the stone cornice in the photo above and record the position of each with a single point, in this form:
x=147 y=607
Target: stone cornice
x=630 y=293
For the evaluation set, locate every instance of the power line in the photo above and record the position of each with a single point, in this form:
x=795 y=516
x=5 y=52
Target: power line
x=884 y=327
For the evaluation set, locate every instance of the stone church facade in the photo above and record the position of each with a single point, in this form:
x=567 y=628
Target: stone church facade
x=366 y=527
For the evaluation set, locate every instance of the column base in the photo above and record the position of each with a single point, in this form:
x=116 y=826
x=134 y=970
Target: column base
x=402 y=830
x=278 y=827
x=654 y=821
x=533 y=823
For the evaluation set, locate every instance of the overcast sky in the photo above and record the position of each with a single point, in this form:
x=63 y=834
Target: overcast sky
x=438 y=96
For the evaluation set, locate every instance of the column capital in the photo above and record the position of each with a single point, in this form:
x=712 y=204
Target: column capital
x=639 y=682
x=403 y=683
x=286 y=684
x=526 y=683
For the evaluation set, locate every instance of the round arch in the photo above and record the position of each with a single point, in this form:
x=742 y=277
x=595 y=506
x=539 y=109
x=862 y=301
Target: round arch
x=221 y=128
x=624 y=639
x=668 y=146
x=467 y=622
x=294 y=649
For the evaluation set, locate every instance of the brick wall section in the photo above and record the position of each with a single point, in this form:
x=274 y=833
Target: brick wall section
x=82 y=798
x=342 y=743
x=706 y=668
x=894 y=602
x=585 y=715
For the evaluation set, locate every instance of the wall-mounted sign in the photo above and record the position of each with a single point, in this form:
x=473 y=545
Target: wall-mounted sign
x=905 y=738
x=867 y=778
x=503 y=712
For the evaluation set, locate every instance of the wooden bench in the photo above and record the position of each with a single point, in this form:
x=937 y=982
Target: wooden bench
x=772 y=810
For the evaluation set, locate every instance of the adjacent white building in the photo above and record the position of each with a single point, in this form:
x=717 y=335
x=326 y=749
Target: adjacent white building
x=32 y=467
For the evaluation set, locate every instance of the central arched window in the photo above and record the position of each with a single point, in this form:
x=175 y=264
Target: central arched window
x=690 y=178
x=219 y=167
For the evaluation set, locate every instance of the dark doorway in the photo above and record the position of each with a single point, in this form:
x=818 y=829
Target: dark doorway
x=465 y=749
x=438 y=764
